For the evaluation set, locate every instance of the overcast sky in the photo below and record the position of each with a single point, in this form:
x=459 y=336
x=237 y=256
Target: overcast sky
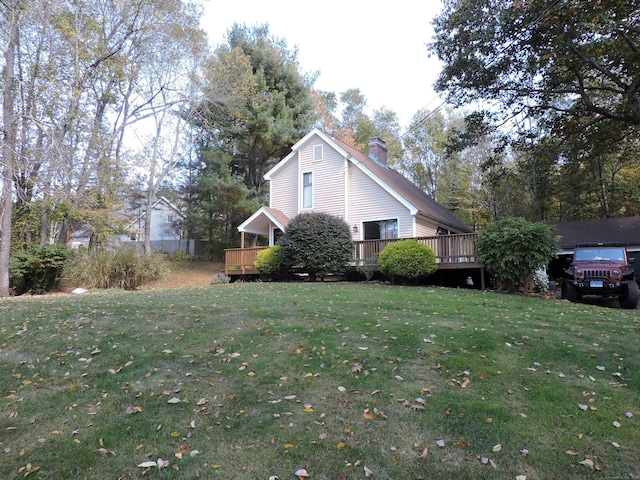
x=352 y=43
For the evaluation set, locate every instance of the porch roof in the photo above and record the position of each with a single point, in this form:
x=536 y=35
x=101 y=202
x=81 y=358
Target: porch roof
x=260 y=222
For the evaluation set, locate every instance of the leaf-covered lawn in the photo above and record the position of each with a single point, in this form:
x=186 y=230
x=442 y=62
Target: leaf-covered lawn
x=333 y=381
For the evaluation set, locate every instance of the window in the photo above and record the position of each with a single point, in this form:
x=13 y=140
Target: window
x=307 y=190
x=317 y=152
x=381 y=229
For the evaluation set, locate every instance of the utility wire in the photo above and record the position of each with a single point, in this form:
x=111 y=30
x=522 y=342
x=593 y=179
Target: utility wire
x=436 y=110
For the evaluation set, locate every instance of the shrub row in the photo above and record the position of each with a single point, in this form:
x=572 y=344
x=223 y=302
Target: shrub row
x=320 y=244
x=39 y=270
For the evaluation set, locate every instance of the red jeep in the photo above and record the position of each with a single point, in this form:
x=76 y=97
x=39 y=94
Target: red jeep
x=601 y=269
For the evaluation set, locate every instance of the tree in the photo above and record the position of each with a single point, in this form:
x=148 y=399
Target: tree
x=257 y=102
x=544 y=51
x=11 y=12
x=574 y=64
x=513 y=249
x=220 y=202
x=318 y=244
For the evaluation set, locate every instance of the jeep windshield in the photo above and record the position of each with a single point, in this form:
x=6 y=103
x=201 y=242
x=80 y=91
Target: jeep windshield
x=599 y=255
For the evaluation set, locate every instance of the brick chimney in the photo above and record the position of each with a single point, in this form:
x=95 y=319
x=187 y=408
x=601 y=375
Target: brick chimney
x=378 y=150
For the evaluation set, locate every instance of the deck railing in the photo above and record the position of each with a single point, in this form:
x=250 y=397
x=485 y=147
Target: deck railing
x=452 y=251
x=449 y=249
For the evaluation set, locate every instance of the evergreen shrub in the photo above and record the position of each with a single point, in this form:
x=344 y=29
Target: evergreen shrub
x=318 y=244
x=124 y=269
x=269 y=262
x=513 y=249
x=407 y=259
x=37 y=269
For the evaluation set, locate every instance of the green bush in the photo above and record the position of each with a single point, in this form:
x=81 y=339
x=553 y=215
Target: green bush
x=318 y=244
x=37 y=270
x=407 y=259
x=269 y=262
x=124 y=269
x=513 y=249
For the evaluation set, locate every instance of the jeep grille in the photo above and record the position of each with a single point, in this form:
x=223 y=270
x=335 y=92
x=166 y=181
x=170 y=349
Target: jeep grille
x=596 y=274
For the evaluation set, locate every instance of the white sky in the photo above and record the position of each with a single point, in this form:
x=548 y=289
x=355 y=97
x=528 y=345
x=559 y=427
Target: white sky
x=352 y=43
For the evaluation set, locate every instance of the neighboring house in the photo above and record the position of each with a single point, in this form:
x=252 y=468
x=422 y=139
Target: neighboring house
x=323 y=174
x=621 y=229
x=166 y=221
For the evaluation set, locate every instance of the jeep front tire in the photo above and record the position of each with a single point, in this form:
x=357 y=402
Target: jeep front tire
x=569 y=292
x=629 y=296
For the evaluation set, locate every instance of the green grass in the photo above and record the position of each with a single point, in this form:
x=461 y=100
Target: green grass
x=273 y=377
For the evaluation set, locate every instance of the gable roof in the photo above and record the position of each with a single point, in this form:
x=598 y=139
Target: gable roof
x=259 y=222
x=159 y=201
x=622 y=229
x=402 y=189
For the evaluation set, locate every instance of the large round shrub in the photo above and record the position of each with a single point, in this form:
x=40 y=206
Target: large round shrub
x=408 y=259
x=318 y=244
x=269 y=261
x=514 y=248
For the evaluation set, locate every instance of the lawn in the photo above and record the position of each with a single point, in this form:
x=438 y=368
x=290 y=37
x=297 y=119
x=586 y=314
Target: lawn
x=343 y=380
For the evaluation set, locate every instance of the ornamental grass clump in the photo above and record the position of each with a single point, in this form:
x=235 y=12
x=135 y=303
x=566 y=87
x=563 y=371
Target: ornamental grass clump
x=124 y=269
x=407 y=259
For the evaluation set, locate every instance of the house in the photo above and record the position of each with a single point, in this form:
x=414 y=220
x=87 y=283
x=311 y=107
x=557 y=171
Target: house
x=324 y=174
x=166 y=222
x=166 y=230
x=621 y=229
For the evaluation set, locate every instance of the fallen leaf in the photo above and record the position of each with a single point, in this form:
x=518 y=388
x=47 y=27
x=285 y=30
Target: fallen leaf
x=424 y=453
x=616 y=424
x=147 y=464
x=31 y=470
x=367 y=472
x=341 y=445
x=521 y=477
x=174 y=400
x=440 y=443
x=572 y=452
x=497 y=448
x=301 y=473
x=587 y=462
x=162 y=463
x=367 y=414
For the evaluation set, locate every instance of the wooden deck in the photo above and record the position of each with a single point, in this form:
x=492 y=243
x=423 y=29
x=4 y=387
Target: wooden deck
x=452 y=252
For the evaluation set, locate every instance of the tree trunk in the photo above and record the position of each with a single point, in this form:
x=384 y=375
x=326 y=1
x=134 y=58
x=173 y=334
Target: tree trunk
x=8 y=152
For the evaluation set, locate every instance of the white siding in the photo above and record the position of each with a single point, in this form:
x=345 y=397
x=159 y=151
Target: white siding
x=424 y=228
x=284 y=189
x=369 y=201
x=328 y=178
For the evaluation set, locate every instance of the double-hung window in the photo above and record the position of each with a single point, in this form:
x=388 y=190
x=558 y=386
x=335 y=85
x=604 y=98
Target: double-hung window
x=307 y=190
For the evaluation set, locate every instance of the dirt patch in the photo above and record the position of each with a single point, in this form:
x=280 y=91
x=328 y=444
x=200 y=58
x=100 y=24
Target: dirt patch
x=188 y=274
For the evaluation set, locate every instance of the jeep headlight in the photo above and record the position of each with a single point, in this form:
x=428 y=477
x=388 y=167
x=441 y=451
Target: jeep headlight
x=578 y=274
x=616 y=274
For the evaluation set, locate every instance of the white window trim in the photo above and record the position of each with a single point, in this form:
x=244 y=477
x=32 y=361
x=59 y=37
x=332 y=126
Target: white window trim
x=302 y=207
